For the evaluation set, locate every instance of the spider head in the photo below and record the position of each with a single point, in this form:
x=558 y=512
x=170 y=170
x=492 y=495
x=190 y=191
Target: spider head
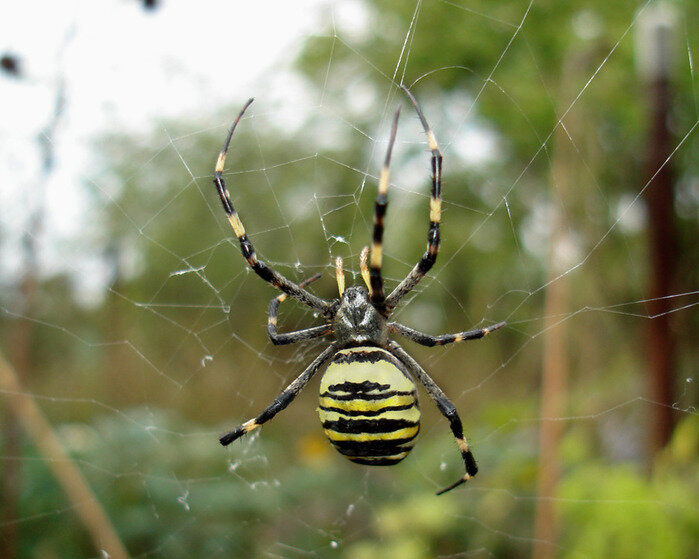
x=357 y=322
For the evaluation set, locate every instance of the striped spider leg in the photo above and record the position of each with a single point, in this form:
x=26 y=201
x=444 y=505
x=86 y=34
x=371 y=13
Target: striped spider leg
x=430 y=256
x=259 y=267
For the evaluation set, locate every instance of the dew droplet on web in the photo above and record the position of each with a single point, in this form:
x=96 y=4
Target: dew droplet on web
x=182 y=499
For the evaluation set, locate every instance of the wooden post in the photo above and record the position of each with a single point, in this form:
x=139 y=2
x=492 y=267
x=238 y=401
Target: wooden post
x=654 y=54
x=565 y=176
x=70 y=478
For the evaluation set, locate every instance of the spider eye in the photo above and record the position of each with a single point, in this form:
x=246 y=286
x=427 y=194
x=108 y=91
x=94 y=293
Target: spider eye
x=351 y=294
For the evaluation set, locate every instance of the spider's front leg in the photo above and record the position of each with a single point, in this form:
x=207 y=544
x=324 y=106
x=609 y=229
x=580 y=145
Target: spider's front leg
x=447 y=409
x=430 y=255
x=248 y=251
x=283 y=400
x=380 y=206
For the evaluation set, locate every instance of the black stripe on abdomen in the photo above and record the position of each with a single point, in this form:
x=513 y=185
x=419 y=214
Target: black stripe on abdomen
x=366 y=413
x=358 y=426
x=376 y=448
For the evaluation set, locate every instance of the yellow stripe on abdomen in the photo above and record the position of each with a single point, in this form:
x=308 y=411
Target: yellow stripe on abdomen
x=408 y=433
x=368 y=406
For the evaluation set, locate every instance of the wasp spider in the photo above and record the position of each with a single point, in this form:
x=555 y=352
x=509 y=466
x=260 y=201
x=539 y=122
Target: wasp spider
x=368 y=398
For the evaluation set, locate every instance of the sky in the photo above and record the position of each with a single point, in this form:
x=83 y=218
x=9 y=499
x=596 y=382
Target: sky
x=125 y=70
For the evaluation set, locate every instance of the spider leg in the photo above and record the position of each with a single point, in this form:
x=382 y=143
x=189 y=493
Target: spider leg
x=299 y=335
x=426 y=339
x=376 y=281
x=260 y=268
x=430 y=256
x=445 y=407
x=281 y=401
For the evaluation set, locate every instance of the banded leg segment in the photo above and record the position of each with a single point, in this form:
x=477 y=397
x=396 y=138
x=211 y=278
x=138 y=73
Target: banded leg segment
x=260 y=268
x=430 y=255
x=376 y=281
x=282 y=401
x=299 y=335
x=427 y=340
x=447 y=409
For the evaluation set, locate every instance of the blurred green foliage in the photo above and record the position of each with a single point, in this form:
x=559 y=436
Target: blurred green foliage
x=167 y=496
x=638 y=516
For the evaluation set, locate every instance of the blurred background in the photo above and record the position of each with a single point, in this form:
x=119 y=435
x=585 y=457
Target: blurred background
x=132 y=333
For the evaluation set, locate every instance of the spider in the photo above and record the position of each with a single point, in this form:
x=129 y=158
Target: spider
x=368 y=396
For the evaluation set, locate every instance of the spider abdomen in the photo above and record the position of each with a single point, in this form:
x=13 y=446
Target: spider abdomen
x=368 y=406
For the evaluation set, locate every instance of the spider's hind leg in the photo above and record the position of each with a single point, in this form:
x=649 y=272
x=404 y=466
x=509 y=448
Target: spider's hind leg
x=447 y=409
x=283 y=400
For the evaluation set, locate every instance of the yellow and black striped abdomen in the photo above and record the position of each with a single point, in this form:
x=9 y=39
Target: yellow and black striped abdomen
x=368 y=406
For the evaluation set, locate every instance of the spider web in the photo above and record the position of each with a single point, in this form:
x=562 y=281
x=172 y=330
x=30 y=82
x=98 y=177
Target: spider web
x=149 y=331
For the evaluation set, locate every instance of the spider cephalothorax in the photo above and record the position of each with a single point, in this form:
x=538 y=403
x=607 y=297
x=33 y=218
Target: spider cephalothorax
x=357 y=322
x=368 y=396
